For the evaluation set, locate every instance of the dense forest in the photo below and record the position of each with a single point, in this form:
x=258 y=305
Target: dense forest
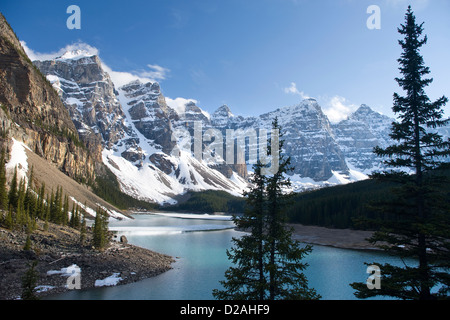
x=334 y=207
x=338 y=207
x=209 y=201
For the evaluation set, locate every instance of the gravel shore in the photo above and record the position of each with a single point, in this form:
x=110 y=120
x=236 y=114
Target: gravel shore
x=58 y=248
x=338 y=238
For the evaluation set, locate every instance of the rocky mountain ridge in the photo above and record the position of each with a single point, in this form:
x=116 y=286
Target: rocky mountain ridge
x=142 y=136
x=33 y=113
x=158 y=151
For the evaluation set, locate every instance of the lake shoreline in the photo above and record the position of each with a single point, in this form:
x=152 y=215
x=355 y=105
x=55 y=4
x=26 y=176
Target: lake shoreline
x=331 y=237
x=57 y=252
x=337 y=238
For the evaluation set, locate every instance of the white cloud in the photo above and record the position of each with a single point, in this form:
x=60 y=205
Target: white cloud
x=119 y=78
x=338 y=108
x=293 y=90
x=156 y=72
x=34 y=55
x=179 y=104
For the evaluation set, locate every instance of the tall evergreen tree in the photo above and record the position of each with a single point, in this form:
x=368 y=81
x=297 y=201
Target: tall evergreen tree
x=29 y=281
x=285 y=267
x=47 y=212
x=420 y=229
x=247 y=280
x=83 y=231
x=40 y=203
x=12 y=195
x=21 y=213
x=267 y=261
x=100 y=238
x=65 y=212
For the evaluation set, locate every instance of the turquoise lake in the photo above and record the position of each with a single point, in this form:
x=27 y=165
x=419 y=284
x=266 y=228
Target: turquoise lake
x=199 y=245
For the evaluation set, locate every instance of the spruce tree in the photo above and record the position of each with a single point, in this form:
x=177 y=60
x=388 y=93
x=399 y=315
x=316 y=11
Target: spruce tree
x=29 y=282
x=40 y=204
x=267 y=261
x=83 y=231
x=420 y=227
x=21 y=213
x=12 y=195
x=65 y=212
x=285 y=266
x=47 y=212
x=100 y=238
x=10 y=220
x=247 y=280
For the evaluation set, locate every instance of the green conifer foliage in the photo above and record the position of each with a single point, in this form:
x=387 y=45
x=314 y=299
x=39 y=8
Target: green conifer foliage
x=267 y=262
x=421 y=228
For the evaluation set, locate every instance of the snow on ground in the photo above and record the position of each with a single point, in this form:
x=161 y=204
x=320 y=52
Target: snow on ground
x=142 y=183
x=112 y=280
x=90 y=211
x=338 y=178
x=112 y=213
x=146 y=231
x=194 y=216
x=166 y=230
x=150 y=183
x=18 y=160
x=66 y=272
x=44 y=288
x=75 y=270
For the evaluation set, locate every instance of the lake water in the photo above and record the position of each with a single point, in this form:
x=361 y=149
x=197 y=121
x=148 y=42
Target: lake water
x=199 y=245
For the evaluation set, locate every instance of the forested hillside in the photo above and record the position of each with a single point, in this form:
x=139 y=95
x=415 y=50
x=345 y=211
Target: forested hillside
x=342 y=206
x=209 y=201
x=338 y=206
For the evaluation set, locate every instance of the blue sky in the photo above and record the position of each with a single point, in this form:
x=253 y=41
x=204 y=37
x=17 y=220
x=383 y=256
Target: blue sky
x=253 y=55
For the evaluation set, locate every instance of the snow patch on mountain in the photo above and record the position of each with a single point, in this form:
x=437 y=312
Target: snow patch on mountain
x=75 y=55
x=18 y=161
x=151 y=184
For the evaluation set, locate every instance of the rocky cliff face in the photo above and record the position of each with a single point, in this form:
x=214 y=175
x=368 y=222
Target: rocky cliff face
x=359 y=134
x=134 y=123
x=131 y=129
x=34 y=113
x=309 y=139
x=149 y=113
x=88 y=93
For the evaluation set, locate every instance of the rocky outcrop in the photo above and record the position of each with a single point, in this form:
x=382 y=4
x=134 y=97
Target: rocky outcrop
x=33 y=112
x=358 y=135
x=59 y=247
x=308 y=135
x=132 y=122
x=149 y=113
x=89 y=95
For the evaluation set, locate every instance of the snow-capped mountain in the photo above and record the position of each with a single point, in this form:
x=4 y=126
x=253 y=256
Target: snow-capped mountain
x=89 y=95
x=359 y=134
x=135 y=129
x=151 y=146
x=307 y=133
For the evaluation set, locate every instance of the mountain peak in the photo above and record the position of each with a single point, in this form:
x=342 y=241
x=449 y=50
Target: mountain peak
x=364 y=108
x=364 y=112
x=75 y=55
x=223 y=111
